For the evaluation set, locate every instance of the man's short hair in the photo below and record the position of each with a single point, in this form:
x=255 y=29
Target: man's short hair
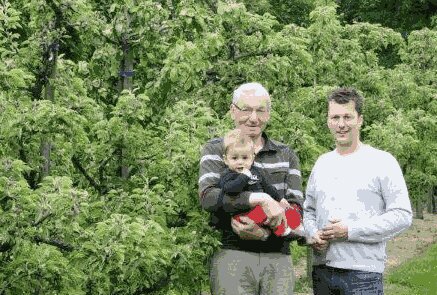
x=344 y=95
x=236 y=138
x=259 y=91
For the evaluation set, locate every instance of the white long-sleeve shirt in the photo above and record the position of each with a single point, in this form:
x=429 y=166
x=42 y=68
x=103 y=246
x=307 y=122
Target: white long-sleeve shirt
x=367 y=191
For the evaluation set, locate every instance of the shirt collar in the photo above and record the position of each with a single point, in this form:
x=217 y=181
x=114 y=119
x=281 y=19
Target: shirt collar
x=268 y=144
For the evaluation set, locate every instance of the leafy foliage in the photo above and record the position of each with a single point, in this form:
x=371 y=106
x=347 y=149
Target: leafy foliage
x=405 y=16
x=105 y=106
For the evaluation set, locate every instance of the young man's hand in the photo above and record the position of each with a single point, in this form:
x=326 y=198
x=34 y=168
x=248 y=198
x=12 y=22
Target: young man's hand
x=334 y=230
x=318 y=243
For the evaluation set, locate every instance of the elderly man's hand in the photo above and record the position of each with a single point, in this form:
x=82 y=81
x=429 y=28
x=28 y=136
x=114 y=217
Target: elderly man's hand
x=246 y=229
x=274 y=211
x=334 y=230
x=284 y=204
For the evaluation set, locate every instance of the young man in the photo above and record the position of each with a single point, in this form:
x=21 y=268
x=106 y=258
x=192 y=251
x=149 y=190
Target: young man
x=251 y=262
x=356 y=199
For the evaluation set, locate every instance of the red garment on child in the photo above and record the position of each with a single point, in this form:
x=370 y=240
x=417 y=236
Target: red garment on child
x=292 y=215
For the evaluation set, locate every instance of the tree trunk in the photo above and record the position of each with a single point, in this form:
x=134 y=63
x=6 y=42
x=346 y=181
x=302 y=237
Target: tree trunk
x=310 y=264
x=434 y=200
x=49 y=94
x=126 y=77
x=127 y=67
x=124 y=167
x=429 y=200
x=46 y=149
x=419 y=208
x=49 y=91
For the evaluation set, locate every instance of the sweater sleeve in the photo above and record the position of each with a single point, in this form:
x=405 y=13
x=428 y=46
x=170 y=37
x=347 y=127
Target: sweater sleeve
x=397 y=215
x=309 y=206
x=272 y=192
x=211 y=165
x=294 y=180
x=233 y=183
x=266 y=186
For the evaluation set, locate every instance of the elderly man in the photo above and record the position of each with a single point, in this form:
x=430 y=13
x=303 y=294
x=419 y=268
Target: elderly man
x=356 y=199
x=251 y=260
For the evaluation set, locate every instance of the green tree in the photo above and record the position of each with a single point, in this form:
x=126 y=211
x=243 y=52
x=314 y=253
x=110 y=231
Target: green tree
x=403 y=16
x=105 y=106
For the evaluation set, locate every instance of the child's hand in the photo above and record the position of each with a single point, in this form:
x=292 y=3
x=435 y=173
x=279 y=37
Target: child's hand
x=246 y=172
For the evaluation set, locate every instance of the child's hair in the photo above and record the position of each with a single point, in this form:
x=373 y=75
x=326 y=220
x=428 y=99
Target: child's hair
x=236 y=138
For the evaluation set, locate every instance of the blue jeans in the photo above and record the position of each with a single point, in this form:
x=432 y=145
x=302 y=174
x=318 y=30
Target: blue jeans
x=337 y=281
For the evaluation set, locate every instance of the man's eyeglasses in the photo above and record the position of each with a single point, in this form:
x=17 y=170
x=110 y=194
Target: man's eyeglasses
x=248 y=112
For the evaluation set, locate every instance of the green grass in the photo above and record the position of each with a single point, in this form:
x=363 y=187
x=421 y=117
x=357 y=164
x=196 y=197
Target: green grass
x=303 y=285
x=417 y=276
x=297 y=252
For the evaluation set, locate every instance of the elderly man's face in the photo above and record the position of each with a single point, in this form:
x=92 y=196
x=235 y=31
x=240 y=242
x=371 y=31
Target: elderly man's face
x=251 y=113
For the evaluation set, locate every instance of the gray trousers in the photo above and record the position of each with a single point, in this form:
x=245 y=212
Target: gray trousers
x=235 y=272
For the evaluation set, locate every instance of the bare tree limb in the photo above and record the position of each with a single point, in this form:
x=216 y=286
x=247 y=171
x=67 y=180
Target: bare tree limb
x=40 y=220
x=54 y=242
x=102 y=167
x=78 y=166
x=253 y=54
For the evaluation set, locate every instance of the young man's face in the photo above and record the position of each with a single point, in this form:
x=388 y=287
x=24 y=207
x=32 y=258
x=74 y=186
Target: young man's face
x=251 y=113
x=238 y=158
x=344 y=123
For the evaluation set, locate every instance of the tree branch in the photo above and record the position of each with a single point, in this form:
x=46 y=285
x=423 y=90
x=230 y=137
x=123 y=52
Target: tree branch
x=54 y=242
x=31 y=175
x=78 y=166
x=102 y=167
x=212 y=4
x=41 y=220
x=212 y=76
x=253 y=54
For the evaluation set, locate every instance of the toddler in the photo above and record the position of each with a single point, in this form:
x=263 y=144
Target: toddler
x=241 y=175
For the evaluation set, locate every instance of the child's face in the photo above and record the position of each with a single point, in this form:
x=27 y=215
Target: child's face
x=238 y=158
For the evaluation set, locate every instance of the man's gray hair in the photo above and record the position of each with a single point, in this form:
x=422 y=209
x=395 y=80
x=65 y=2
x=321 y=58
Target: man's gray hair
x=259 y=91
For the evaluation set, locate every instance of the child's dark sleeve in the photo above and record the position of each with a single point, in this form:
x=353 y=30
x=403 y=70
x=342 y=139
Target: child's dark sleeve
x=233 y=183
x=271 y=190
